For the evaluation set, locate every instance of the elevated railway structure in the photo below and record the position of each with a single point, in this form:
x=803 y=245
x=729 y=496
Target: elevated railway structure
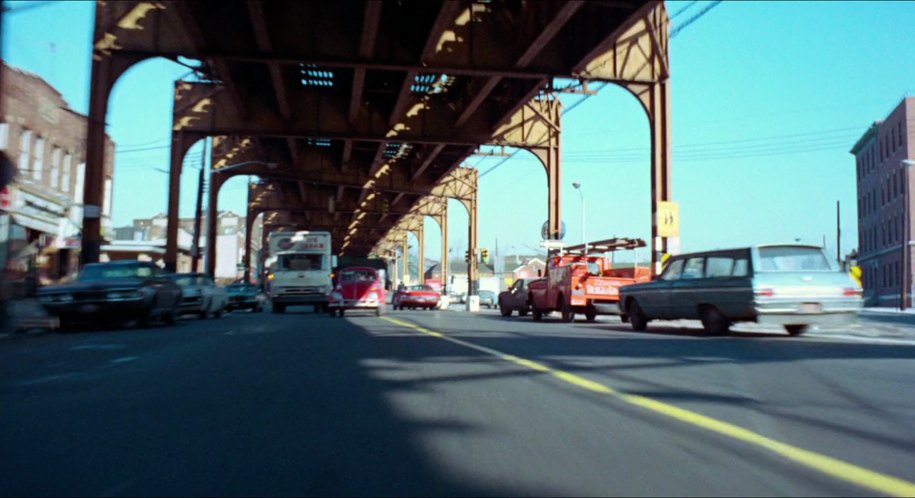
x=360 y=112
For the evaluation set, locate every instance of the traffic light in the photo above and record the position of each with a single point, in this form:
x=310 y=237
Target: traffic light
x=484 y=254
x=467 y=256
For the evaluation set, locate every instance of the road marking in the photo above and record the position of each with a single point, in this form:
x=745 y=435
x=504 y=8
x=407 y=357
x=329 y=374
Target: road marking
x=98 y=347
x=833 y=467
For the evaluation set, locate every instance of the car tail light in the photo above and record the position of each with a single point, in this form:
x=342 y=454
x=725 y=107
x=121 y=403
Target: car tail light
x=270 y=276
x=852 y=291
x=763 y=292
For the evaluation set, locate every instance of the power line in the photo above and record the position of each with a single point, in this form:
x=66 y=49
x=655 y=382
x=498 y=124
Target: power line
x=27 y=7
x=695 y=18
x=684 y=9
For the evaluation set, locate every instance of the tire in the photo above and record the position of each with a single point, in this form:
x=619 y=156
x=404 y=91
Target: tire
x=378 y=311
x=567 y=314
x=279 y=308
x=341 y=311
x=796 y=330
x=171 y=317
x=590 y=313
x=505 y=310
x=203 y=314
x=637 y=319
x=523 y=312
x=217 y=314
x=536 y=314
x=713 y=321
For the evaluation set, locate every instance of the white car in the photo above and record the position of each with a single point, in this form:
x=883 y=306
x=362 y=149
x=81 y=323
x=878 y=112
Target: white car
x=200 y=295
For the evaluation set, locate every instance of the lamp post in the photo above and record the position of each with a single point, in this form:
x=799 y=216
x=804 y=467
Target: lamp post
x=907 y=243
x=581 y=196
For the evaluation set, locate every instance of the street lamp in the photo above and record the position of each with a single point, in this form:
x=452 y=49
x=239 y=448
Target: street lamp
x=907 y=245
x=584 y=240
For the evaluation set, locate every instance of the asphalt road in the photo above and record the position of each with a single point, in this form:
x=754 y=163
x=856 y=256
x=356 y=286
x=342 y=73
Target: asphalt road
x=450 y=403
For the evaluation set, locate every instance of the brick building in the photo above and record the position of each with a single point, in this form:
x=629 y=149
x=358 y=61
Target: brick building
x=884 y=219
x=45 y=140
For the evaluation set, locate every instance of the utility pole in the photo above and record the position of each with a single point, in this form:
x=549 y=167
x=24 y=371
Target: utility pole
x=838 y=235
x=195 y=249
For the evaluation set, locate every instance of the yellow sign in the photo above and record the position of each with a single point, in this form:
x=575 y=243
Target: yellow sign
x=668 y=219
x=856 y=273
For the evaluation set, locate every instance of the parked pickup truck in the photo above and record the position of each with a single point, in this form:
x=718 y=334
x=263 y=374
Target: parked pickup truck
x=584 y=281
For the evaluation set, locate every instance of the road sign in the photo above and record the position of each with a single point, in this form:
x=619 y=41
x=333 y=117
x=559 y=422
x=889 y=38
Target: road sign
x=545 y=230
x=552 y=244
x=668 y=219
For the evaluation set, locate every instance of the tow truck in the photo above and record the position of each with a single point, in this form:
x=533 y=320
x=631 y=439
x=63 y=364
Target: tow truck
x=581 y=279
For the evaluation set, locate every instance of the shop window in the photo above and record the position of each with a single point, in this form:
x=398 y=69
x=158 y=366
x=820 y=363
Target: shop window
x=65 y=176
x=38 y=163
x=4 y=136
x=55 y=167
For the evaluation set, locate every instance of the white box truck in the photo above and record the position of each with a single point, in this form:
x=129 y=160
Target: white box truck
x=299 y=269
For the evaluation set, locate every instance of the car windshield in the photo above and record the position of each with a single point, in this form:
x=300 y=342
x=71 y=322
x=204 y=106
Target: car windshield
x=420 y=288
x=357 y=276
x=105 y=272
x=792 y=258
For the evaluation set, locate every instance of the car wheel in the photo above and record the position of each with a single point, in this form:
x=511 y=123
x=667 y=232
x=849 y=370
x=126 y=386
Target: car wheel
x=341 y=311
x=637 y=319
x=536 y=314
x=171 y=317
x=505 y=310
x=217 y=314
x=523 y=312
x=567 y=314
x=279 y=308
x=796 y=330
x=378 y=311
x=713 y=321
x=590 y=313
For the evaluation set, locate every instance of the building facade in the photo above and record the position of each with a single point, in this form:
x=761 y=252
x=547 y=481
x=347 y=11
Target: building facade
x=882 y=158
x=45 y=139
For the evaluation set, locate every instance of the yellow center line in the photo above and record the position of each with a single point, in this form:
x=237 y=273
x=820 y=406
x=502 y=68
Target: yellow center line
x=830 y=466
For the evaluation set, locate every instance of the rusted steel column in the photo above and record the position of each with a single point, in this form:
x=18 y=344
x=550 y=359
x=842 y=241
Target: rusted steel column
x=216 y=181
x=251 y=215
x=550 y=156
x=405 y=250
x=180 y=145
x=421 y=264
x=661 y=175
x=95 y=160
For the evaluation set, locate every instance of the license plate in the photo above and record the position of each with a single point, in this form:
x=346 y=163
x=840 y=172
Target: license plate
x=810 y=308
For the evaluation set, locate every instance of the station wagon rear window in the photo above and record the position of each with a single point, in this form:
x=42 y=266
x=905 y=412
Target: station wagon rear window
x=789 y=258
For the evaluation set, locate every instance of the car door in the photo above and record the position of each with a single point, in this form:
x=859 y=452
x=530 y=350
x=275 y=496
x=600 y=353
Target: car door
x=688 y=290
x=654 y=297
x=518 y=295
x=728 y=285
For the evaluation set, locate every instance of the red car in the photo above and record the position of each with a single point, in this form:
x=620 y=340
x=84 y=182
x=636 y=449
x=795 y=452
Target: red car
x=417 y=296
x=358 y=288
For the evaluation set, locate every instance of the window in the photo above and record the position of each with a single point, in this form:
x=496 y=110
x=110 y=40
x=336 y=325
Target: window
x=4 y=136
x=741 y=267
x=55 y=167
x=718 y=266
x=25 y=150
x=693 y=268
x=792 y=258
x=899 y=135
x=673 y=270
x=39 y=159
x=65 y=176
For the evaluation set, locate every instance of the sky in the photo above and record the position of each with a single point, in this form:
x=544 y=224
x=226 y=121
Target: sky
x=767 y=99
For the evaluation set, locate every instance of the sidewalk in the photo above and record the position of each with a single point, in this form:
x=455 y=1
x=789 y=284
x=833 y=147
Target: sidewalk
x=25 y=315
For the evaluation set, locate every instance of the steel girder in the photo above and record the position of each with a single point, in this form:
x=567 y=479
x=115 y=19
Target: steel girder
x=416 y=76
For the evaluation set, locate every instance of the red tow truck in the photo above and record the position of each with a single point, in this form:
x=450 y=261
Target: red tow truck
x=580 y=280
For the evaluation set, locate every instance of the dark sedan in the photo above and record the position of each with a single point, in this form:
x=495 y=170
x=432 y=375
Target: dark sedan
x=245 y=297
x=516 y=298
x=115 y=291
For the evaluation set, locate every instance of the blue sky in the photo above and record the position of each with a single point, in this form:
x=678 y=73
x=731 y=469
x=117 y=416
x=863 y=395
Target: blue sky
x=767 y=99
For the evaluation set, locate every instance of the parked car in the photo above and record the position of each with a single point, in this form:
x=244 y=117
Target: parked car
x=488 y=299
x=119 y=290
x=516 y=298
x=790 y=285
x=358 y=287
x=245 y=297
x=417 y=296
x=200 y=295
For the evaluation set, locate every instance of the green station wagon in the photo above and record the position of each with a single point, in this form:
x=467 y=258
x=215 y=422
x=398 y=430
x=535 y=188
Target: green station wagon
x=789 y=285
